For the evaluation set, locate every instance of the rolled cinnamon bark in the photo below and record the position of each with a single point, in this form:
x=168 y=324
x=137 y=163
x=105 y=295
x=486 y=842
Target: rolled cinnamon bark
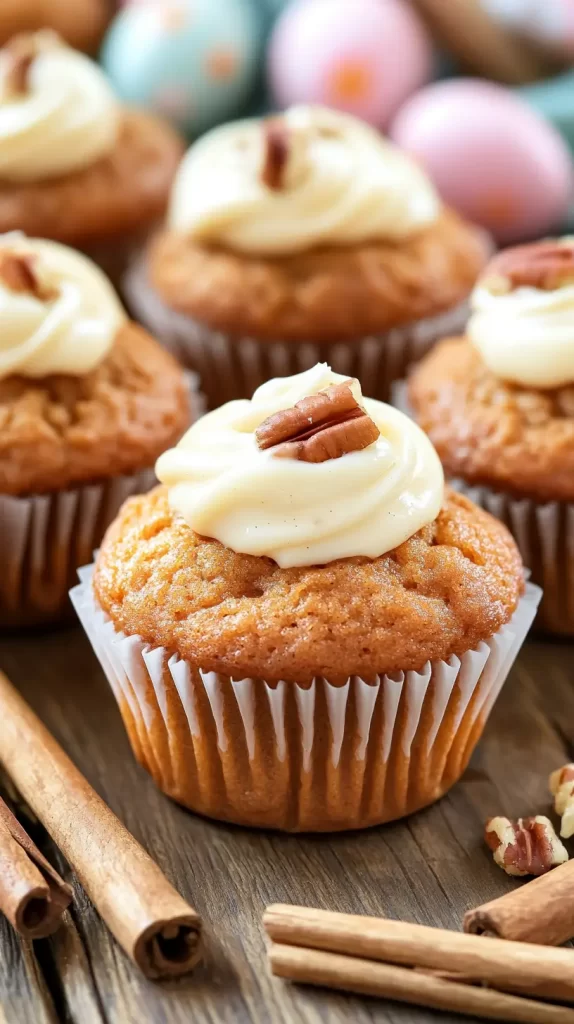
x=32 y=895
x=371 y=978
x=511 y=966
x=150 y=920
x=538 y=911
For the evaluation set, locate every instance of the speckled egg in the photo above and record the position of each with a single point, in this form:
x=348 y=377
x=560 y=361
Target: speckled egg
x=194 y=61
x=490 y=155
x=364 y=56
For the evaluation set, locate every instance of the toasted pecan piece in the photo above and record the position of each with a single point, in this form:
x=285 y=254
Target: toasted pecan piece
x=19 y=274
x=275 y=154
x=320 y=427
x=528 y=846
x=546 y=265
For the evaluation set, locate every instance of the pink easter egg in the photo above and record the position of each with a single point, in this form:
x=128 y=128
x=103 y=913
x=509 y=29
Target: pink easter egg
x=362 y=56
x=490 y=155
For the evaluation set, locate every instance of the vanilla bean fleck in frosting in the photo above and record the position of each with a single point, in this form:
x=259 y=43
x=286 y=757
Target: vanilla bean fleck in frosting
x=358 y=501
x=309 y=177
x=523 y=315
x=58 y=311
x=58 y=113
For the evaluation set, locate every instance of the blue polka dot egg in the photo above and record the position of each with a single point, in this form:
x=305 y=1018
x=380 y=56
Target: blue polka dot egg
x=194 y=61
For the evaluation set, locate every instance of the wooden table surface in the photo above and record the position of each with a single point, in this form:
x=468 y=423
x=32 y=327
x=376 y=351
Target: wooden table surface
x=429 y=868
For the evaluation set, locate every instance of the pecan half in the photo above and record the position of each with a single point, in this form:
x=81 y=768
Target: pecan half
x=320 y=427
x=546 y=265
x=528 y=846
x=18 y=272
x=19 y=55
x=275 y=153
x=561 y=784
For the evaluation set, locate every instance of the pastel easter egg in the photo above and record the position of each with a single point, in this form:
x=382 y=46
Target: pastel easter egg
x=364 y=57
x=193 y=61
x=491 y=156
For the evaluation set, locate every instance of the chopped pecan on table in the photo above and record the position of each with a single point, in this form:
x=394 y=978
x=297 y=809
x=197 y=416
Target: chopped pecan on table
x=275 y=153
x=528 y=846
x=18 y=272
x=545 y=265
x=320 y=427
x=561 y=784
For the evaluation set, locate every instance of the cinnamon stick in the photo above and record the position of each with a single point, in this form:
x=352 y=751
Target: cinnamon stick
x=368 y=977
x=32 y=895
x=538 y=911
x=511 y=966
x=157 y=929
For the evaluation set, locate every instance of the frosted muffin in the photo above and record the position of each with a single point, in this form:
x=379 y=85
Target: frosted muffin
x=301 y=629
x=498 y=404
x=74 y=165
x=300 y=238
x=87 y=402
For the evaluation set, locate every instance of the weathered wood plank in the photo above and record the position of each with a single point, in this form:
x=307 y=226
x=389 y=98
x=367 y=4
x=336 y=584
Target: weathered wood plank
x=429 y=869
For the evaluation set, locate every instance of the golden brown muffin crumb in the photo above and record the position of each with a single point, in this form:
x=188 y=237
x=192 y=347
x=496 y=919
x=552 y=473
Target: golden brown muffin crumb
x=324 y=294
x=61 y=431
x=451 y=585
x=121 y=192
x=490 y=432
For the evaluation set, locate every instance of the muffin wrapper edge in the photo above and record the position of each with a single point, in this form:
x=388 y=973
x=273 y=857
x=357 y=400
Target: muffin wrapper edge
x=317 y=757
x=231 y=367
x=544 y=534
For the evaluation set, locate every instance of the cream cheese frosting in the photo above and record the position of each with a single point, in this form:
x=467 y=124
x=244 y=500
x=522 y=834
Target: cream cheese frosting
x=70 y=327
x=525 y=336
x=65 y=120
x=342 y=184
x=299 y=513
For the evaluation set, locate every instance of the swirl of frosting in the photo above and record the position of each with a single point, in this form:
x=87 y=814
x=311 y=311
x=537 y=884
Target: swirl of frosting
x=300 y=513
x=526 y=335
x=335 y=181
x=63 y=117
x=58 y=311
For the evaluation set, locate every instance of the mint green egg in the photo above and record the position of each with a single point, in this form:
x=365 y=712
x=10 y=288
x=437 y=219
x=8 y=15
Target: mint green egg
x=194 y=61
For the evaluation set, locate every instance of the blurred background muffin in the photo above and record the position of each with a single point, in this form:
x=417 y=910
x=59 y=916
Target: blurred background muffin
x=498 y=404
x=87 y=402
x=299 y=238
x=75 y=165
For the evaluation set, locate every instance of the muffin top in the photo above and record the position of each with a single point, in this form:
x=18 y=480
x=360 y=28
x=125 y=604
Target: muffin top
x=305 y=533
x=74 y=165
x=309 y=224
x=84 y=393
x=451 y=585
x=499 y=404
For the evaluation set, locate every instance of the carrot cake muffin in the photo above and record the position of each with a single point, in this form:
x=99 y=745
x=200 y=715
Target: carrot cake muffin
x=301 y=237
x=74 y=165
x=303 y=631
x=87 y=402
x=498 y=404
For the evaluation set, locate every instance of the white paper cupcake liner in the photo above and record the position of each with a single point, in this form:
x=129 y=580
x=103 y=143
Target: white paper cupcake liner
x=231 y=367
x=294 y=757
x=544 y=534
x=44 y=538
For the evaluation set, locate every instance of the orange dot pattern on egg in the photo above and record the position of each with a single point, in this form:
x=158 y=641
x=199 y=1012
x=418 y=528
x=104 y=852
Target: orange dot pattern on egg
x=221 y=64
x=351 y=80
x=496 y=208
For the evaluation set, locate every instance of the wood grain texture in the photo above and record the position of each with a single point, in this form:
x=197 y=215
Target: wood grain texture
x=431 y=868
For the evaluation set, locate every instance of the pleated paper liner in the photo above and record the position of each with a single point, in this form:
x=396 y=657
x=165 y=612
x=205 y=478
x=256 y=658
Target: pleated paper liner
x=45 y=537
x=302 y=758
x=543 y=531
x=231 y=367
